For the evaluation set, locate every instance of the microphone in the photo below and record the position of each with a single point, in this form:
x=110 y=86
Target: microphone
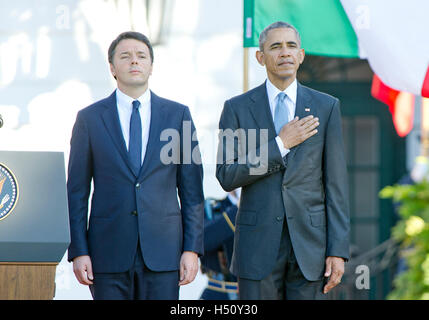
x=1 y=121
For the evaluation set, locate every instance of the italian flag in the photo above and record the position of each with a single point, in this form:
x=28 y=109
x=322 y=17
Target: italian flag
x=393 y=35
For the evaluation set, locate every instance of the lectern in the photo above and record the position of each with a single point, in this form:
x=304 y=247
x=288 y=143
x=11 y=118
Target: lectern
x=34 y=227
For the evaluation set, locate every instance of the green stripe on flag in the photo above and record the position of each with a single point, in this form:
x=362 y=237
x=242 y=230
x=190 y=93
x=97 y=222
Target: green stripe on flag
x=323 y=24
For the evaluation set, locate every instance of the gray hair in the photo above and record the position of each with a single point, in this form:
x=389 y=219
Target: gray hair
x=276 y=25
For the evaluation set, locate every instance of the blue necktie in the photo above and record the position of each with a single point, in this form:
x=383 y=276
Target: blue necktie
x=135 y=143
x=280 y=115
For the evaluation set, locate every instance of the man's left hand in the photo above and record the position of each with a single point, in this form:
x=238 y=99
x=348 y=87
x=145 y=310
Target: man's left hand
x=188 y=267
x=334 y=269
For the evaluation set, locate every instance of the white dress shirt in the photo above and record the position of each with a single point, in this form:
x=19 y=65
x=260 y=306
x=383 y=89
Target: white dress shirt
x=290 y=102
x=235 y=199
x=125 y=108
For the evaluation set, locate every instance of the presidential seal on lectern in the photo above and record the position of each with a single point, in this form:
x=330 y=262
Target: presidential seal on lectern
x=8 y=191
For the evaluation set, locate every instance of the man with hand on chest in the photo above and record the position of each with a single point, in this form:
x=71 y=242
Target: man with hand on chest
x=292 y=226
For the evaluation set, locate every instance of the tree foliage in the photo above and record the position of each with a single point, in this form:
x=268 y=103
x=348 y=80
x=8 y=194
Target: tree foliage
x=412 y=230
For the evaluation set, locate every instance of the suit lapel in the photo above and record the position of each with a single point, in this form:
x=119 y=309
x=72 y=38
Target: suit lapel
x=113 y=126
x=303 y=108
x=153 y=149
x=260 y=110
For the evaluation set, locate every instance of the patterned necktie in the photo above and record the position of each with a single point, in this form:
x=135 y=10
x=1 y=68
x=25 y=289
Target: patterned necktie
x=281 y=114
x=135 y=143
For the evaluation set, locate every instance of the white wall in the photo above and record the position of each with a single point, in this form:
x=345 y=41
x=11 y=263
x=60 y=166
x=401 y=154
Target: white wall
x=53 y=62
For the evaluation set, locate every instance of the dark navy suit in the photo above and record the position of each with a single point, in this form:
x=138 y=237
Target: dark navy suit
x=130 y=208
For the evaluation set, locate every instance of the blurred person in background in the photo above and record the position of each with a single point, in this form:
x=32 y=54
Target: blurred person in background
x=219 y=227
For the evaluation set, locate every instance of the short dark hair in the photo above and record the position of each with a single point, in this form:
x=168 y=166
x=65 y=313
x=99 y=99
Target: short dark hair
x=129 y=35
x=276 y=25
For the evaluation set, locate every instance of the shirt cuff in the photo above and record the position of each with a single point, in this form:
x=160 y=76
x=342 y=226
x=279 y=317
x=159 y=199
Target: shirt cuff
x=282 y=148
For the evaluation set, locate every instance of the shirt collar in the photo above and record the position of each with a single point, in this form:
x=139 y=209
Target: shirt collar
x=290 y=91
x=235 y=198
x=125 y=100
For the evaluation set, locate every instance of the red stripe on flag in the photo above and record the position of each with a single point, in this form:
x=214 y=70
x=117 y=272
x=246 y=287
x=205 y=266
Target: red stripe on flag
x=401 y=105
x=425 y=87
x=384 y=93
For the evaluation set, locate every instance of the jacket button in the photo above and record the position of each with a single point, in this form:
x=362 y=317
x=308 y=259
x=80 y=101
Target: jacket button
x=134 y=213
x=138 y=185
x=279 y=218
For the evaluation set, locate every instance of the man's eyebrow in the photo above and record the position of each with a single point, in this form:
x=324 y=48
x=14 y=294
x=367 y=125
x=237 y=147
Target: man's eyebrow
x=275 y=44
x=128 y=52
x=279 y=43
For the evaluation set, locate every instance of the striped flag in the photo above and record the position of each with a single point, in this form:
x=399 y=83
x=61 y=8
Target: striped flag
x=394 y=36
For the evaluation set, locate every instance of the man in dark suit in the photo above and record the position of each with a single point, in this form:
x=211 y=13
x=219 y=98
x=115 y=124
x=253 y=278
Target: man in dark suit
x=140 y=243
x=292 y=226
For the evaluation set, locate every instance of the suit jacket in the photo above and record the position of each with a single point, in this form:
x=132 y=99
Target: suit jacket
x=308 y=191
x=128 y=206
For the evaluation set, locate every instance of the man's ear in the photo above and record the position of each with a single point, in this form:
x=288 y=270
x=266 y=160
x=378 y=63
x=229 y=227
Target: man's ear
x=112 y=70
x=260 y=57
x=301 y=56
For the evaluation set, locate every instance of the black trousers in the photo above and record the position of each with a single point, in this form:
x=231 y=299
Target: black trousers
x=286 y=281
x=138 y=283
